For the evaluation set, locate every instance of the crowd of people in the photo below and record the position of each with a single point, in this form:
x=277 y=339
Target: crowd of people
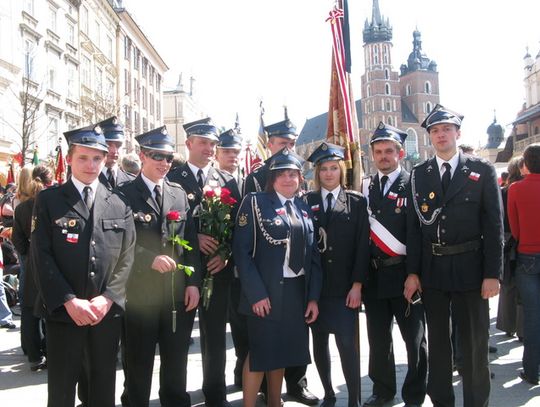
x=119 y=259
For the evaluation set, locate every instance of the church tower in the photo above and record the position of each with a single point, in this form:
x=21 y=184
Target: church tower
x=381 y=99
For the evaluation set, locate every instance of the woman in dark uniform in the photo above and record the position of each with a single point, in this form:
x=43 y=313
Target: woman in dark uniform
x=279 y=267
x=342 y=230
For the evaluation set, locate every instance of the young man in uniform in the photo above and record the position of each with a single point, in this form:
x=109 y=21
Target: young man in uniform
x=454 y=256
x=383 y=292
x=83 y=239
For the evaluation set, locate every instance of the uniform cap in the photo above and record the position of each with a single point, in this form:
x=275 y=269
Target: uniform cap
x=113 y=130
x=156 y=139
x=385 y=132
x=439 y=115
x=285 y=129
x=89 y=136
x=327 y=152
x=202 y=128
x=230 y=139
x=286 y=159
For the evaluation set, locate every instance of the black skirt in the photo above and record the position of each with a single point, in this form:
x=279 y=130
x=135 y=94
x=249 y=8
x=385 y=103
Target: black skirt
x=335 y=317
x=277 y=344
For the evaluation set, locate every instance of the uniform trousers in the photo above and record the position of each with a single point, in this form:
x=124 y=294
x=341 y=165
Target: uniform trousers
x=471 y=314
x=146 y=326
x=238 y=330
x=32 y=334
x=380 y=314
x=213 y=325
x=67 y=346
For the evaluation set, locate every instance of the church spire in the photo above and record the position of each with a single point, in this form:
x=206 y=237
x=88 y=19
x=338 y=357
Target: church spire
x=379 y=29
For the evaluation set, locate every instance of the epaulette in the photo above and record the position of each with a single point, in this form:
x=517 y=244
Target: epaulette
x=173 y=184
x=353 y=192
x=420 y=164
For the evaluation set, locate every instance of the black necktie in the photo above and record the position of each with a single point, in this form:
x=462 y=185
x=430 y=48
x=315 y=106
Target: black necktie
x=445 y=179
x=328 y=212
x=200 y=178
x=296 y=253
x=157 y=192
x=88 y=199
x=384 y=179
x=110 y=177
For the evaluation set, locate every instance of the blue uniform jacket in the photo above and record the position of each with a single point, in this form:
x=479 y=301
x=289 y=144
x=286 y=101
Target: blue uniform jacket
x=261 y=235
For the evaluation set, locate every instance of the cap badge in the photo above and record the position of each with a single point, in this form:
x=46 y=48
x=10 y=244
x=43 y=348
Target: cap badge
x=381 y=125
x=164 y=131
x=242 y=219
x=97 y=129
x=324 y=147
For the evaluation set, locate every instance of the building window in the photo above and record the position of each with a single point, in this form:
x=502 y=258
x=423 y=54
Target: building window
x=97 y=35
x=144 y=67
x=395 y=105
x=151 y=103
x=376 y=55
x=84 y=20
x=368 y=91
x=144 y=97
x=53 y=129
x=387 y=89
x=109 y=91
x=386 y=74
x=411 y=143
x=52 y=78
x=29 y=59
x=136 y=58
x=29 y=6
x=127 y=48
x=158 y=110
x=428 y=107
x=388 y=105
x=382 y=105
x=144 y=124
x=158 y=83
x=137 y=124
x=390 y=121
x=408 y=90
x=72 y=91
x=99 y=80
x=427 y=87
x=109 y=49
x=85 y=71
x=71 y=34
x=151 y=78
x=52 y=19
x=127 y=116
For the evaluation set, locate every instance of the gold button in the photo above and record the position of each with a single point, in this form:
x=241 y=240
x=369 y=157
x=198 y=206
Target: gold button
x=93 y=242
x=92 y=274
x=93 y=258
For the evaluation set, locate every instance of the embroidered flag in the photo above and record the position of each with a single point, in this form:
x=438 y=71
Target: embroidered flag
x=392 y=195
x=280 y=211
x=474 y=176
x=315 y=208
x=72 y=237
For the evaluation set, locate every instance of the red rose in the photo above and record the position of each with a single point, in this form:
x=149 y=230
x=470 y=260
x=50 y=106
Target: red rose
x=209 y=193
x=173 y=216
x=225 y=192
x=228 y=200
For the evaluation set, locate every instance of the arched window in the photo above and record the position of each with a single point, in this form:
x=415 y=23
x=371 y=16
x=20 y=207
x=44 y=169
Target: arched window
x=408 y=90
x=386 y=74
x=387 y=89
x=428 y=107
x=411 y=143
x=385 y=54
x=368 y=91
x=376 y=55
x=388 y=105
x=427 y=87
x=390 y=121
x=382 y=105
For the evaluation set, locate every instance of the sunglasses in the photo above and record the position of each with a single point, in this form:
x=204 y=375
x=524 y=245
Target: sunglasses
x=160 y=157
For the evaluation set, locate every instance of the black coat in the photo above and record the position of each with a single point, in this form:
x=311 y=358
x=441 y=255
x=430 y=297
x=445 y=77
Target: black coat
x=216 y=178
x=122 y=177
x=259 y=252
x=345 y=259
x=391 y=212
x=470 y=210
x=147 y=286
x=80 y=253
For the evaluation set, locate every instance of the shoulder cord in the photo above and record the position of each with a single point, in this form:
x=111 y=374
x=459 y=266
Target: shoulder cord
x=322 y=238
x=257 y=185
x=257 y=215
x=421 y=217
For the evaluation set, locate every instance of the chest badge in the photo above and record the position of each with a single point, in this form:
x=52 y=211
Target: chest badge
x=147 y=217
x=398 y=210
x=424 y=207
x=278 y=222
x=431 y=195
x=191 y=197
x=242 y=220
x=72 y=237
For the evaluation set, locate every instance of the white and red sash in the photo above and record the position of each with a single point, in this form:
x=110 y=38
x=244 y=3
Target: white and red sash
x=385 y=240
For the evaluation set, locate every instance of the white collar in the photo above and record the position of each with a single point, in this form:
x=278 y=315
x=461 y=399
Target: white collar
x=391 y=177
x=454 y=161
x=151 y=184
x=194 y=169
x=284 y=200
x=80 y=186
x=335 y=192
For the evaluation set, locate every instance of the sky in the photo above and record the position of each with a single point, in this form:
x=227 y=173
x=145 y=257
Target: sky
x=279 y=51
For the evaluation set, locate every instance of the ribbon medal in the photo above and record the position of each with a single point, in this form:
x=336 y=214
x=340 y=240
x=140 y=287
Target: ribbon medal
x=392 y=195
x=315 y=208
x=474 y=176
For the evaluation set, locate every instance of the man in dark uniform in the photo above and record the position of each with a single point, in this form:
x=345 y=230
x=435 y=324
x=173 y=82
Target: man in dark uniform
x=161 y=296
x=112 y=175
x=227 y=154
x=454 y=247
x=282 y=134
x=83 y=240
x=383 y=292
x=194 y=175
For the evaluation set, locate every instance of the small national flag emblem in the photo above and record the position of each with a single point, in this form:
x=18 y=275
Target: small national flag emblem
x=474 y=176
x=280 y=211
x=72 y=237
x=315 y=208
x=392 y=195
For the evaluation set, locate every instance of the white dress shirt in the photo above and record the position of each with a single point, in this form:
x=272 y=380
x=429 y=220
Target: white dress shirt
x=287 y=272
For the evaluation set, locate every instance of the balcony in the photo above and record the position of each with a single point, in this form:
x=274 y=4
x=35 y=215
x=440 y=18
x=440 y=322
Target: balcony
x=521 y=145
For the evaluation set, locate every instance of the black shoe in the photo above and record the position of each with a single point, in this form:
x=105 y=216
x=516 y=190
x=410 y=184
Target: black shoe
x=526 y=379
x=8 y=325
x=509 y=334
x=304 y=396
x=376 y=400
x=492 y=349
x=39 y=365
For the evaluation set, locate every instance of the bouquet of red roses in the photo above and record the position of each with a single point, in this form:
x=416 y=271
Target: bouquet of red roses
x=215 y=220
x=173 y=217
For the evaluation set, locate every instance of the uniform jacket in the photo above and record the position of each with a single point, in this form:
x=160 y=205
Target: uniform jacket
x=259 y=250
x=391 y=212
x=216 y=178
x=122 y=177
x=345 y=254
x=147 y=286
x=80 y=253
x=470 y=210
x=256 y=180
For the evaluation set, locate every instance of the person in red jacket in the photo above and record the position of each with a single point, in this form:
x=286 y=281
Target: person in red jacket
x=523 y=197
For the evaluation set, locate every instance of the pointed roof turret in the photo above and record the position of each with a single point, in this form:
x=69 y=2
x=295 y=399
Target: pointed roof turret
x=495 y=133
x=379 y=29
x=418 y=60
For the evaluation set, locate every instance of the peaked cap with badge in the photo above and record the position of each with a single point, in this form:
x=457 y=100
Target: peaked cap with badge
x=327 y=152
x=385 y=132
x=441 y=114
x=230 y=139
x=202 y=128
x=286 y=159
x=284 y=129
x=112 y=129
x=156 y=139
x=89 y=136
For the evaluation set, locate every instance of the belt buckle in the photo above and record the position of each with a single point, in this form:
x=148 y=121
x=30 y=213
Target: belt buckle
x=434 y=247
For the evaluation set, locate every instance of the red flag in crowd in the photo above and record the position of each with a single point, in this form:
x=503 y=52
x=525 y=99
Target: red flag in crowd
x=60 y=173
x=342 y=121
